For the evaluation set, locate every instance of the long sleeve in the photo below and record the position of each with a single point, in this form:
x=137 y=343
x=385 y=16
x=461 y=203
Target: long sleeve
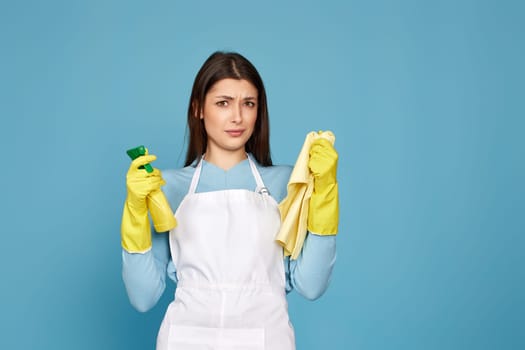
x=144 y=275
x=310 y=274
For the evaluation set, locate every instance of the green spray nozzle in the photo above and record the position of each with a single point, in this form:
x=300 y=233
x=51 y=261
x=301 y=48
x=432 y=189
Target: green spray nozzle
x=136 y=152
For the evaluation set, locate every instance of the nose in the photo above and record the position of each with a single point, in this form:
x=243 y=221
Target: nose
x=237 y=114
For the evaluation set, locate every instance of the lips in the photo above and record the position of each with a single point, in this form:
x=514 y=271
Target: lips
x=235 y=133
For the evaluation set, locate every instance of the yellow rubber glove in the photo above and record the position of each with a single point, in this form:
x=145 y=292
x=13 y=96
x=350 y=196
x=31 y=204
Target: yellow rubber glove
x=323 y=211
x=160 y=211
x=135 y=228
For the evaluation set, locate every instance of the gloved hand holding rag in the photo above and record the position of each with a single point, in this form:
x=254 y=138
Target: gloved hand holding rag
x=312 y=201
x=323 y=210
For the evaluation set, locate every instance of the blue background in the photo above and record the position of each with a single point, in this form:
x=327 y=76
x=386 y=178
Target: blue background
x=425 y=98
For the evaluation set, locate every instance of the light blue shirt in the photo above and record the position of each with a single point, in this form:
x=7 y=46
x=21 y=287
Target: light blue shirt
x=145 y=274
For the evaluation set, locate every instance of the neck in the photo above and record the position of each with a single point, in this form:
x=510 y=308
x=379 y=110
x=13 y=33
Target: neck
x=225 y=160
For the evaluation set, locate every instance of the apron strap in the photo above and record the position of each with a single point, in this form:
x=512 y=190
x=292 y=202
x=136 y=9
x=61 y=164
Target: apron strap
x=258 y=179
x=196 y=176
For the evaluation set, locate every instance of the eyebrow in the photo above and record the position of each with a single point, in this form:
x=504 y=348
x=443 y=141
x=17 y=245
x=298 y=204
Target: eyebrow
x=226 y=97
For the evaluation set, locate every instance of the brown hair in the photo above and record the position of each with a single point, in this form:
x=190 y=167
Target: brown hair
x=224 y=65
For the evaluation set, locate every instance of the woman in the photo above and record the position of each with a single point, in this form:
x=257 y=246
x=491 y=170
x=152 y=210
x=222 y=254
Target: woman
x=231 y=275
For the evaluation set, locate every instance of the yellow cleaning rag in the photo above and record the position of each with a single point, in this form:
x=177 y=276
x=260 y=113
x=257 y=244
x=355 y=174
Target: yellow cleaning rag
x=294 y=208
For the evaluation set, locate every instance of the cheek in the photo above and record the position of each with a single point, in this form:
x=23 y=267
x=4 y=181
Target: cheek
x=212 y=118
x=218 y=115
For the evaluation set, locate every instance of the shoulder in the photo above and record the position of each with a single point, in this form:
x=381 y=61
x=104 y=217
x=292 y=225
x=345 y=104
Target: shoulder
x=276 y=179
x=177 y=175
x=177 y=183
x=281 y=172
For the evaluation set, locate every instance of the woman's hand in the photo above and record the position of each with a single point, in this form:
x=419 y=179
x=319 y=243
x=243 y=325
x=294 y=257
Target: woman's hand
x=135 y=228
x=323 y=163
x=140 y=183
x=323 y=212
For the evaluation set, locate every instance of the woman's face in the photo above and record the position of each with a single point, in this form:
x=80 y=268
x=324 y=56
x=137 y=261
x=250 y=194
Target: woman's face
x=229 y=113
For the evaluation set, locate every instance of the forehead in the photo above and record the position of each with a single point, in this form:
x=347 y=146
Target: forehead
x=233 y=87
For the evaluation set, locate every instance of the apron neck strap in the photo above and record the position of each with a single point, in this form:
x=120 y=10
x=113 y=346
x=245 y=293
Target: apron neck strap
x=258 y=179
x=196 y=176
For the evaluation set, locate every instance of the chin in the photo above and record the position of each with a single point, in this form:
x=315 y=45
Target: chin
x=235 y=146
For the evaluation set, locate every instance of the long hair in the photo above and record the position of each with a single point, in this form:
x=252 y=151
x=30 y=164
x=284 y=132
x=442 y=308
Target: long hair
x=224 y=65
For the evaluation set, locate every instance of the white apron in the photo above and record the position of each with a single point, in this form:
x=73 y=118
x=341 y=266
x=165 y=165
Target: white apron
x=231 y=286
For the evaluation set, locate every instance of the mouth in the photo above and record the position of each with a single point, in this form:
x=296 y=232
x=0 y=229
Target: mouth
x=235 y=133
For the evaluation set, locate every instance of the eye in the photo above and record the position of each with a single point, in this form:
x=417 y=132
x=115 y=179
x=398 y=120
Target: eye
x=222 y=103
x=250 y=104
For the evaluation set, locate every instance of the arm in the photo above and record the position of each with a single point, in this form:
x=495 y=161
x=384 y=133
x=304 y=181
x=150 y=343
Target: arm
x=310 y=274
x=144 y=274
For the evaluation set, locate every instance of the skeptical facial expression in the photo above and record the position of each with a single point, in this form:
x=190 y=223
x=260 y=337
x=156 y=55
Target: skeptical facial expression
x=229 y=114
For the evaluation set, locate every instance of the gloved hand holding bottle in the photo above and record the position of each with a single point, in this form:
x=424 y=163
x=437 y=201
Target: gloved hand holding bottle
x=323 y=211
x=143 y=193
